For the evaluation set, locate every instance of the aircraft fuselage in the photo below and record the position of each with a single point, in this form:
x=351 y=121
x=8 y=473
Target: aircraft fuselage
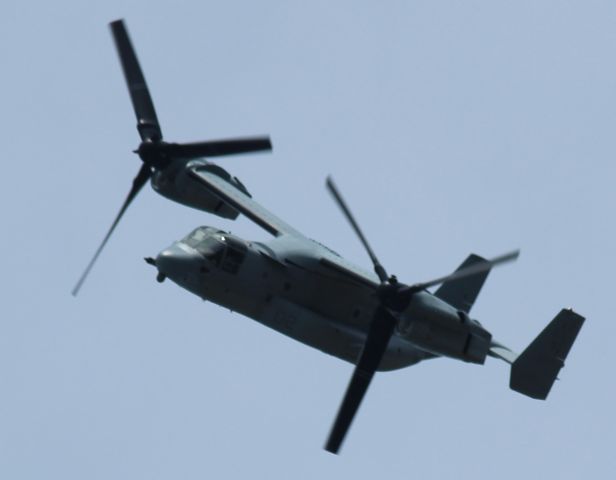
x=284 y=285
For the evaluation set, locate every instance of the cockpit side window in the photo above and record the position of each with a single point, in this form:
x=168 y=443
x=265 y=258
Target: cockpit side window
x=234 y=257
x=233 y=260
x=213 y=250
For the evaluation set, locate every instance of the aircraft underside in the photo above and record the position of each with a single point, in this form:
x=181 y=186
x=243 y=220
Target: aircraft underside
x=334 y=338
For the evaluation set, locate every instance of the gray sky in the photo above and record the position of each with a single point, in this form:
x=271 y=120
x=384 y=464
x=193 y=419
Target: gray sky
x=451 y=127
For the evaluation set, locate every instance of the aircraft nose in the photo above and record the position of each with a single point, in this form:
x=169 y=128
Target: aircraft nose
x=178 y=263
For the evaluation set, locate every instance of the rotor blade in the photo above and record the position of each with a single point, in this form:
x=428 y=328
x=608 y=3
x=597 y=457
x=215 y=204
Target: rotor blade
x=139 y=181
x=471 y=270
x=379 y=334
x=216 y=148
x=378 y=268
x=147 y=122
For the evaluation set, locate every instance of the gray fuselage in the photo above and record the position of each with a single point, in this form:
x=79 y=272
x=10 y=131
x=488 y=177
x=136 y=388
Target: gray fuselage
x=285 y=285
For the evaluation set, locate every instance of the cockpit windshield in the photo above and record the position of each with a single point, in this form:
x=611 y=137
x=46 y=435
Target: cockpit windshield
x=218 y=247
x=208 y=242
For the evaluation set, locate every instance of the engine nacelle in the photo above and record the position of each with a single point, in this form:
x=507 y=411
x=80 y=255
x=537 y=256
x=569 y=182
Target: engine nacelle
x=176 y=184
x=436 y=327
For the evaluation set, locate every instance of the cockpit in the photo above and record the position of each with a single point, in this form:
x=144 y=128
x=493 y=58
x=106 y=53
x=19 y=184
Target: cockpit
x=217 y=246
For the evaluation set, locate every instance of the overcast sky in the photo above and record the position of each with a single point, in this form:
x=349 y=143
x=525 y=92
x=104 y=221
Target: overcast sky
x=450 y=126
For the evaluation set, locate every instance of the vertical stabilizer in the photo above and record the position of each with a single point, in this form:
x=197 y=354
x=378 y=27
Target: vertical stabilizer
x=462 y=293
x=534 y=371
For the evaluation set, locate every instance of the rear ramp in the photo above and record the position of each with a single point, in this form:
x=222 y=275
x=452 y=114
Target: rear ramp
x=534 y=371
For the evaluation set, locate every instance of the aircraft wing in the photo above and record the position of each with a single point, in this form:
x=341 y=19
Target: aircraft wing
x=242 y=203
x=274 y=225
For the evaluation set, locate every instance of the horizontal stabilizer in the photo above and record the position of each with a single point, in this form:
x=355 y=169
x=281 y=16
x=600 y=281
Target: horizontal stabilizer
x=462 y=293
x=534 y=371
x=500 y=351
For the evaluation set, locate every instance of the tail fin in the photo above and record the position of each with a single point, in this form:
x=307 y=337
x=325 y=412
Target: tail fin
x=462 y=293
x=534 y=371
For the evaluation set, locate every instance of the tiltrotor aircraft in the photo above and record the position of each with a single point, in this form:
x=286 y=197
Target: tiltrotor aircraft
x=306 y=291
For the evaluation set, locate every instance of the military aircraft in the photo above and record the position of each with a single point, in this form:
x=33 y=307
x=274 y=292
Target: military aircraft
x=308 y=292
x=164 y=163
